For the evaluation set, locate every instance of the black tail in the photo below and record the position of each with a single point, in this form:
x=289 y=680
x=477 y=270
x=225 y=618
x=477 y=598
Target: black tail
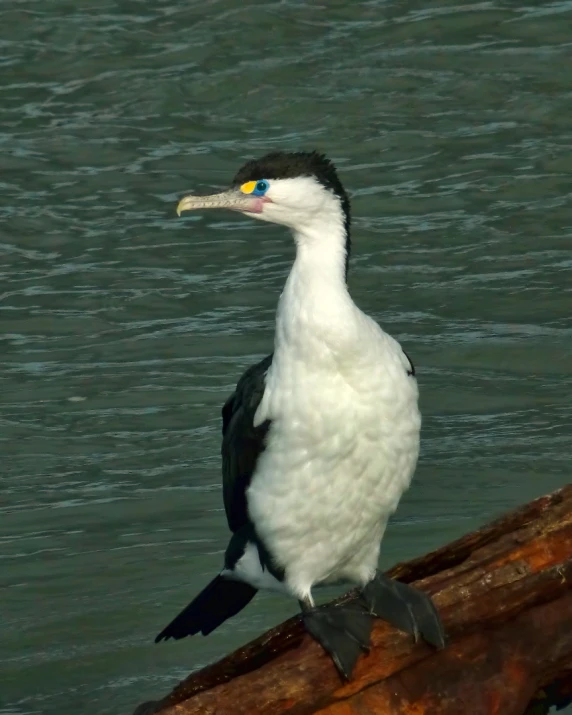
x=220 y=600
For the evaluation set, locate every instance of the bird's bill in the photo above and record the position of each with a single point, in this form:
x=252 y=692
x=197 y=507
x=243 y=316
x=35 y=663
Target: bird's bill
x=233 y=199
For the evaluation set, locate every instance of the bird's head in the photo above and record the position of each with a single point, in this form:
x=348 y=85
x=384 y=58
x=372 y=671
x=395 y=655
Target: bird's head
x=298 y=190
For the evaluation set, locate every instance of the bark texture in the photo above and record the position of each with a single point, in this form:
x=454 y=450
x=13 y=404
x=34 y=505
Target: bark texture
x=505 y=596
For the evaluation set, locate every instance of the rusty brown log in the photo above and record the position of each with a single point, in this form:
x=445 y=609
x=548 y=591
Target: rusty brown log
x=505 y=596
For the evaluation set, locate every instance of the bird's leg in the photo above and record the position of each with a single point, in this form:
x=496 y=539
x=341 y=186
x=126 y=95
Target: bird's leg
x=343 y=631
x=405 y=608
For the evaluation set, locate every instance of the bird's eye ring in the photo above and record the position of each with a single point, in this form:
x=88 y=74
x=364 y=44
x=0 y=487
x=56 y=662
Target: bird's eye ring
x=261 y=187
x=256 y=188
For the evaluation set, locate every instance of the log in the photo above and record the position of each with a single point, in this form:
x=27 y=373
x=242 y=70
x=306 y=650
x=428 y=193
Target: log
x=505 y=596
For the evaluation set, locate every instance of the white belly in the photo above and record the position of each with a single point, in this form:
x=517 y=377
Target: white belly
x=341 y=450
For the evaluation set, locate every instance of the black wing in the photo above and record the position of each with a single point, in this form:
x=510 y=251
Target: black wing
x=411 y=371
x=242 y=443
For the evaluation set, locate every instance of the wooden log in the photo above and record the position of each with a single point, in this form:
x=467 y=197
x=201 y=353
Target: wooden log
x=505 y=596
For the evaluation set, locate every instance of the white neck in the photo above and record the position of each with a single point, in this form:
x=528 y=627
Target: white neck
x=315 y=304
x=321 y=253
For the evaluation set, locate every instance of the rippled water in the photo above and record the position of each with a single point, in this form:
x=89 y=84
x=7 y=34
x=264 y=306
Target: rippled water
x=123 y=329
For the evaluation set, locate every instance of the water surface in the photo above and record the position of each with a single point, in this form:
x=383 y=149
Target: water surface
x=123 y=328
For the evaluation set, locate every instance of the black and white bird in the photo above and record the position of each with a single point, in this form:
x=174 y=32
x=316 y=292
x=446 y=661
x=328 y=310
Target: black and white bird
x=321 y=438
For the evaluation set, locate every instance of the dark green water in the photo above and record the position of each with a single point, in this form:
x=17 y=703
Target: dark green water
x=122 y=328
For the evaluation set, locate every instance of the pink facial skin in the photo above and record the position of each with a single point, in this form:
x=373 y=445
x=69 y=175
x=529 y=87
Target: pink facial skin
x=257 y=205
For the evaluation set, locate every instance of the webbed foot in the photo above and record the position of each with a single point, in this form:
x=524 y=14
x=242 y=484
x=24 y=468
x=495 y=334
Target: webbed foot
x=405 y=608
x=343 y=631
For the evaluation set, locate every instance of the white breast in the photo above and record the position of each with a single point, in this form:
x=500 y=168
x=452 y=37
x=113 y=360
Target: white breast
x=342 y=445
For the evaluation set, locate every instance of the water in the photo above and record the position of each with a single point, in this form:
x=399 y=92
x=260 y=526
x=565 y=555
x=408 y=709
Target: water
x=123 y=328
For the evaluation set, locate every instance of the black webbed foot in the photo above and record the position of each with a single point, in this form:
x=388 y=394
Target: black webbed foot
x=405 y=608
x=343 y=631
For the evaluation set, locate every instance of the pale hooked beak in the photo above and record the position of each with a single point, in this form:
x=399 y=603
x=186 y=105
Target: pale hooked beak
x=232 y=199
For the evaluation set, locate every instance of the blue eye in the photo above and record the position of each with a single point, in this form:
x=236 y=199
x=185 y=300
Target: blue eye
x=261 y=188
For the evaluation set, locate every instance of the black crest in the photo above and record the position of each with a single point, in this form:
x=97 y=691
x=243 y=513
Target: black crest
x=290 y=165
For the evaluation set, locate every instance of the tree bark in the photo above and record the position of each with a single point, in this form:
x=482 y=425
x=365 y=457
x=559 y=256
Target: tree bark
x=504 y=593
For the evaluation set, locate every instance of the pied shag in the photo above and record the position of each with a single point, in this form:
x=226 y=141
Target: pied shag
x=320 y=438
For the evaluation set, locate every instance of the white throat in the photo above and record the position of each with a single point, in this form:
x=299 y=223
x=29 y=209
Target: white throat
x=315 y=306
x=317 y=323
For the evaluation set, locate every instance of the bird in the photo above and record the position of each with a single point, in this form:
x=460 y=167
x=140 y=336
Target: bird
x=320 y=439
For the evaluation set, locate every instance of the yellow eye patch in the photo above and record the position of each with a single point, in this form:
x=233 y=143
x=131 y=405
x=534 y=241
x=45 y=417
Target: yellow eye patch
x=256 y=188
x=248 y=188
